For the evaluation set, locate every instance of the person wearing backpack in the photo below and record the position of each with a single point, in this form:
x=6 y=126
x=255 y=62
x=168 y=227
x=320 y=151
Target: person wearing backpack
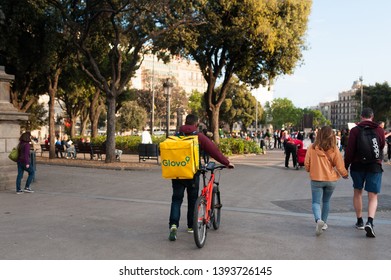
x=364 y=154
x=191 y=185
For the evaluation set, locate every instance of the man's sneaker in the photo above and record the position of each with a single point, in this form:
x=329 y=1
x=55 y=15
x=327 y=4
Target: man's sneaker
x=173 y=230
x=190 y=230
x=19 y=192
x=360 y=225
x=369 y=230
x=319 y=226
x=28 y=190
x=325 y=226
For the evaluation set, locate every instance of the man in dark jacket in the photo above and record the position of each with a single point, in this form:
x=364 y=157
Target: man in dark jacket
x=191 y=185
x=365 y=175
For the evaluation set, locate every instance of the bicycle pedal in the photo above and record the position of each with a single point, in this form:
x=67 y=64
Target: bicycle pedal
x=218 y=205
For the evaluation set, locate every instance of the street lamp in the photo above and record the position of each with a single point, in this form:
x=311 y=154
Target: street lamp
x=167 y=85
x=153 y=95
x=361 y=103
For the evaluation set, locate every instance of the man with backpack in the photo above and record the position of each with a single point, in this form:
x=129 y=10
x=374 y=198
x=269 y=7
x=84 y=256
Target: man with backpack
x=364 y=154
x=191 y=185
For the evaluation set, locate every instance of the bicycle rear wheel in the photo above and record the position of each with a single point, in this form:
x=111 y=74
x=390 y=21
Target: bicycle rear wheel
x=216 y=208
x=199 y=222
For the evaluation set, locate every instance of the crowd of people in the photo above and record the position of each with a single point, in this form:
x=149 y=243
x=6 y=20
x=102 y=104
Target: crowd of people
x=330 y=156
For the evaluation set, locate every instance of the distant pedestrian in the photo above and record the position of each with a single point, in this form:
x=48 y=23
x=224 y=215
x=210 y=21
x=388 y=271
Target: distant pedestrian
x=146 y=137
x=325 y=165
x=24 y=164
x=367 y=176
x=291 y=147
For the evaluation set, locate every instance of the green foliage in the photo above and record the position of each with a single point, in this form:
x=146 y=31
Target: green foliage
x=377 y=97
x=253 y=40
x=283 y=113
x=37 y=117
x=230 y=146
x=197 y=106
x=239 y=105
x=131 y=116
x=128 y=144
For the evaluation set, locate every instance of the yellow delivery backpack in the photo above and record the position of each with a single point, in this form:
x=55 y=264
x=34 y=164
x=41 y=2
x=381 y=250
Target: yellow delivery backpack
x=180 y=157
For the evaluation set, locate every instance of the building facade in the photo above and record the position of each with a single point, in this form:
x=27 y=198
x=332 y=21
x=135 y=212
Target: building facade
x=344 y=110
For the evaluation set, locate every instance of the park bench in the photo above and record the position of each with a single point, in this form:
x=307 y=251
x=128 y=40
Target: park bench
x=83 y=148
x=46 y=148
x=148 y=151
x=98 y=150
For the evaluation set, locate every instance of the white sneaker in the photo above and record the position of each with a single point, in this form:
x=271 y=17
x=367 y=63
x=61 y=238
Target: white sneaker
x=325 y=226
x=319 y=226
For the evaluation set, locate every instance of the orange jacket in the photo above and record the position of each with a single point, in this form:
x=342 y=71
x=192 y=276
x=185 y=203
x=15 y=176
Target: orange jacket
x=324 y=166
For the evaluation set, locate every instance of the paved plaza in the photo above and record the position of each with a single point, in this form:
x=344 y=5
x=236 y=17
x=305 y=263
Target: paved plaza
x=80 y=213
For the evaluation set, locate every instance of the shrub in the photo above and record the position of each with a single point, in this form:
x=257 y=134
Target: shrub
x=228 y=146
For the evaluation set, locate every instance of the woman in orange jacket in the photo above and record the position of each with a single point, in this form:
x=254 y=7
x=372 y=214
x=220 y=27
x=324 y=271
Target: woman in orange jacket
x=325 y=165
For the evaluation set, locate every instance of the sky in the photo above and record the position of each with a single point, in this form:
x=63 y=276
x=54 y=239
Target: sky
x=346 y=39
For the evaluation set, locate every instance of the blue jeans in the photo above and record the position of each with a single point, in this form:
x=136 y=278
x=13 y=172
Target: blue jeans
x=321 y=192
x=21 y=169
x=178 y=191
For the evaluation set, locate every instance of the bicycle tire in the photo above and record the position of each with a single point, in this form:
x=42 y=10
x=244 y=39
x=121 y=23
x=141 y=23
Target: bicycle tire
x=216 y=208
x=199 y=222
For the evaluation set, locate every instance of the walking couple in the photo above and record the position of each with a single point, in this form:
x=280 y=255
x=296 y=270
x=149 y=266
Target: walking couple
x=325 y=165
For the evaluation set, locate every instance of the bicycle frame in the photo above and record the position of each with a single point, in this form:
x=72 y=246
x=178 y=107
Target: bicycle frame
x=204 y=212
x=207 y=192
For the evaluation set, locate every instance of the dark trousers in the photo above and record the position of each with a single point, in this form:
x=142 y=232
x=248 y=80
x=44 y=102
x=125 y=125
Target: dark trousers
x=178 y=191
x=290 y=149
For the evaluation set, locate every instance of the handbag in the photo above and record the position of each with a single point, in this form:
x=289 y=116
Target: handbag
x=14 y=154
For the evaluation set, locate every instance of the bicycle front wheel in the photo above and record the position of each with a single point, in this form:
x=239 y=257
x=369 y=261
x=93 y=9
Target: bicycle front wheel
x=199 y=222
x=216 y=208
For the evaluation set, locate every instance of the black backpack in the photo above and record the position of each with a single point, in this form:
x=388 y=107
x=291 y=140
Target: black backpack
x=368 y=147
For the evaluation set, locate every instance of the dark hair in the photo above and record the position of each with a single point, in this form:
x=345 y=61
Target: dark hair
x=191 y=119
x=367 y=113
x=25 y=137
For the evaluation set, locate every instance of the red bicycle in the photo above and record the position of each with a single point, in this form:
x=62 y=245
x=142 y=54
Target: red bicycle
x=207 y=210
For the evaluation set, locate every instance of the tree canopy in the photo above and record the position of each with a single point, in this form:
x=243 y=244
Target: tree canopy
x=377 y=97
x=255 y=40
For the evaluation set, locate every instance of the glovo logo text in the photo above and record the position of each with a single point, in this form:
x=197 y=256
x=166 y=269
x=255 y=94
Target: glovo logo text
x=175 y=163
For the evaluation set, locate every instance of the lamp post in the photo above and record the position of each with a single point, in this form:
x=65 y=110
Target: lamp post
x=153 y=95
x=167 y=85
x=361 y=100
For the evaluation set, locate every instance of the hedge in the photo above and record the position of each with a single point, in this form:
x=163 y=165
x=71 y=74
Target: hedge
x=228 y=146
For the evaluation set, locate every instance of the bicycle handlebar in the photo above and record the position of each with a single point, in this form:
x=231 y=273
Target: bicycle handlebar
x=211 y=166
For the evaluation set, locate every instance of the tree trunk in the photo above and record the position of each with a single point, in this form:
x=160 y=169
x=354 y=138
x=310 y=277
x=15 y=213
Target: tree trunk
x=96 y=109
x=72 y=128
x=110 y=139
x=83 y=122
x=53 y=85
x=214 y=124
x=52 y=152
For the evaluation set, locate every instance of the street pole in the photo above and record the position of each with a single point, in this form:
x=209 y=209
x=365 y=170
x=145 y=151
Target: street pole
x=361 y=100
x=167 y=85
x=256 y=116
x=153 y=95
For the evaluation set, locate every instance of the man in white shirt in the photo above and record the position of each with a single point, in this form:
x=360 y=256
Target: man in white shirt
x=146 y=137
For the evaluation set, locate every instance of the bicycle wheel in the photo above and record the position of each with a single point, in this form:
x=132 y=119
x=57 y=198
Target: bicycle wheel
x=216 y=208
x=199 y=222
